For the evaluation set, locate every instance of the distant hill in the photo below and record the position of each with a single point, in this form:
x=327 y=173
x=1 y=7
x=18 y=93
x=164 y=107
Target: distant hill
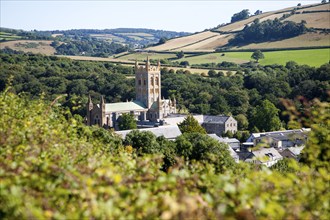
x=317 y=17
x=135 y=37
x=88 y=42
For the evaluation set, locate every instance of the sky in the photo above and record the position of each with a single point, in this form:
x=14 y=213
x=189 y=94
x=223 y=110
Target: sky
x=184 y=15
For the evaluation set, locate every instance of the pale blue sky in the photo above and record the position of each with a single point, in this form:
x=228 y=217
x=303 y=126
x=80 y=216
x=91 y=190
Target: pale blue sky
x=190 y=16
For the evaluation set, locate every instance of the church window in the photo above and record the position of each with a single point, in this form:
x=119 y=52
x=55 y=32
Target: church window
x=139 y=82
x=144 y=82
x=152 y=81
x=157 y=81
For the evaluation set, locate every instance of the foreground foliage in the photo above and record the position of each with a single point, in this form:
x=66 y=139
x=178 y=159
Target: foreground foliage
x=53 y=167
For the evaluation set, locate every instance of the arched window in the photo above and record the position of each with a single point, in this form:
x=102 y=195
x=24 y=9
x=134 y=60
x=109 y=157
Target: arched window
x=157 y=81
x=152 y=80
x=139 y=82
x=144 y=82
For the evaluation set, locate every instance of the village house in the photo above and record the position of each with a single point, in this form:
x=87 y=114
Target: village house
x=280 y=139
x=213 y=124
x=265 y=156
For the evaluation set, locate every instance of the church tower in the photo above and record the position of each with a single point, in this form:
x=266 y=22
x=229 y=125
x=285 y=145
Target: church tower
x=148 y=88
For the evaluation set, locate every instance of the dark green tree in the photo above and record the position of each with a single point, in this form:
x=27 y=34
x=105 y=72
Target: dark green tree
x=266 y=117
x=143 y=141
x=201 y=147
x=180 y=54
x=240 y=15
x=162 y=40
x=190 y=125
x=242 y=122
x=127 y=122
x=257 y=55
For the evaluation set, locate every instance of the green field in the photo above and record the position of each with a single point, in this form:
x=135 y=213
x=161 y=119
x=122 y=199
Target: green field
x=312 y=57
x=8 y=36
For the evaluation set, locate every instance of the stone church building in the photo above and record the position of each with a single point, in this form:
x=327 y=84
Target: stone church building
x=147 y=106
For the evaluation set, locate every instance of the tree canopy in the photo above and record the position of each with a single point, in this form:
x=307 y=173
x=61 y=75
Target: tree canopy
x=240 y=15
x=257 y=55
x=191 y=125
x=127 y=122
x=266 y=117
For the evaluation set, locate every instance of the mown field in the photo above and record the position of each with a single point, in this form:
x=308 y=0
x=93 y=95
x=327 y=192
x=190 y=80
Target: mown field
x=313 y=57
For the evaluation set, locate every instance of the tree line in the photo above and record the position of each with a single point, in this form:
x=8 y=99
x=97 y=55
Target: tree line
x=269 y=30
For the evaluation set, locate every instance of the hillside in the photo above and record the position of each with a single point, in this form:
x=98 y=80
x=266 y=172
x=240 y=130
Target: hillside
x=136 y=37
x=317 y=16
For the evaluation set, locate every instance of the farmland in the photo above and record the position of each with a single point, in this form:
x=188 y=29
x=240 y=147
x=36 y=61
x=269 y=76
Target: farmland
x=316 y=16
x=33 y=46
x=179 y=43
x=313 y=57
x=4 y=36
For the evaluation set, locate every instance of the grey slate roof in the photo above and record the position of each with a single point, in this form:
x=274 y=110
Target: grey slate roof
x=277 y=133
x=215 y=119
x=169 y=132
x=224 y=140
x=267 y=154
x=125 y=106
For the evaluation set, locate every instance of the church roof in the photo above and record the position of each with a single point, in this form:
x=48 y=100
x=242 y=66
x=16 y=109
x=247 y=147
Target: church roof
x=125 y=106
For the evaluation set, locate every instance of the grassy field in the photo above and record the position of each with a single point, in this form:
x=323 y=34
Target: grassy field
x=316 y=57
x=313 y=57
x=4 y=36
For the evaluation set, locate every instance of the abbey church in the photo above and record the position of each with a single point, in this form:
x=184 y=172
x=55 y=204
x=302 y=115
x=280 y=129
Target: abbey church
x=148 y=105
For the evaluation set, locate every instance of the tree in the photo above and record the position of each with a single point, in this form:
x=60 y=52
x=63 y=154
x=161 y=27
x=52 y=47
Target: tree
x=162 y=40
x=212 y=73
x=126 y=122
x=190 y=124
x=266 y=117
x=242 y=122
x=240 y=15
x=201 y=147
x=180 y=54
x=257 y=55
x=184 y=63
x=144 y=142
x=258 y=12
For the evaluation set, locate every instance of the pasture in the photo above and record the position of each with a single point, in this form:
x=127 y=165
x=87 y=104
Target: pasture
x=312 y=57
x=4 y=36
